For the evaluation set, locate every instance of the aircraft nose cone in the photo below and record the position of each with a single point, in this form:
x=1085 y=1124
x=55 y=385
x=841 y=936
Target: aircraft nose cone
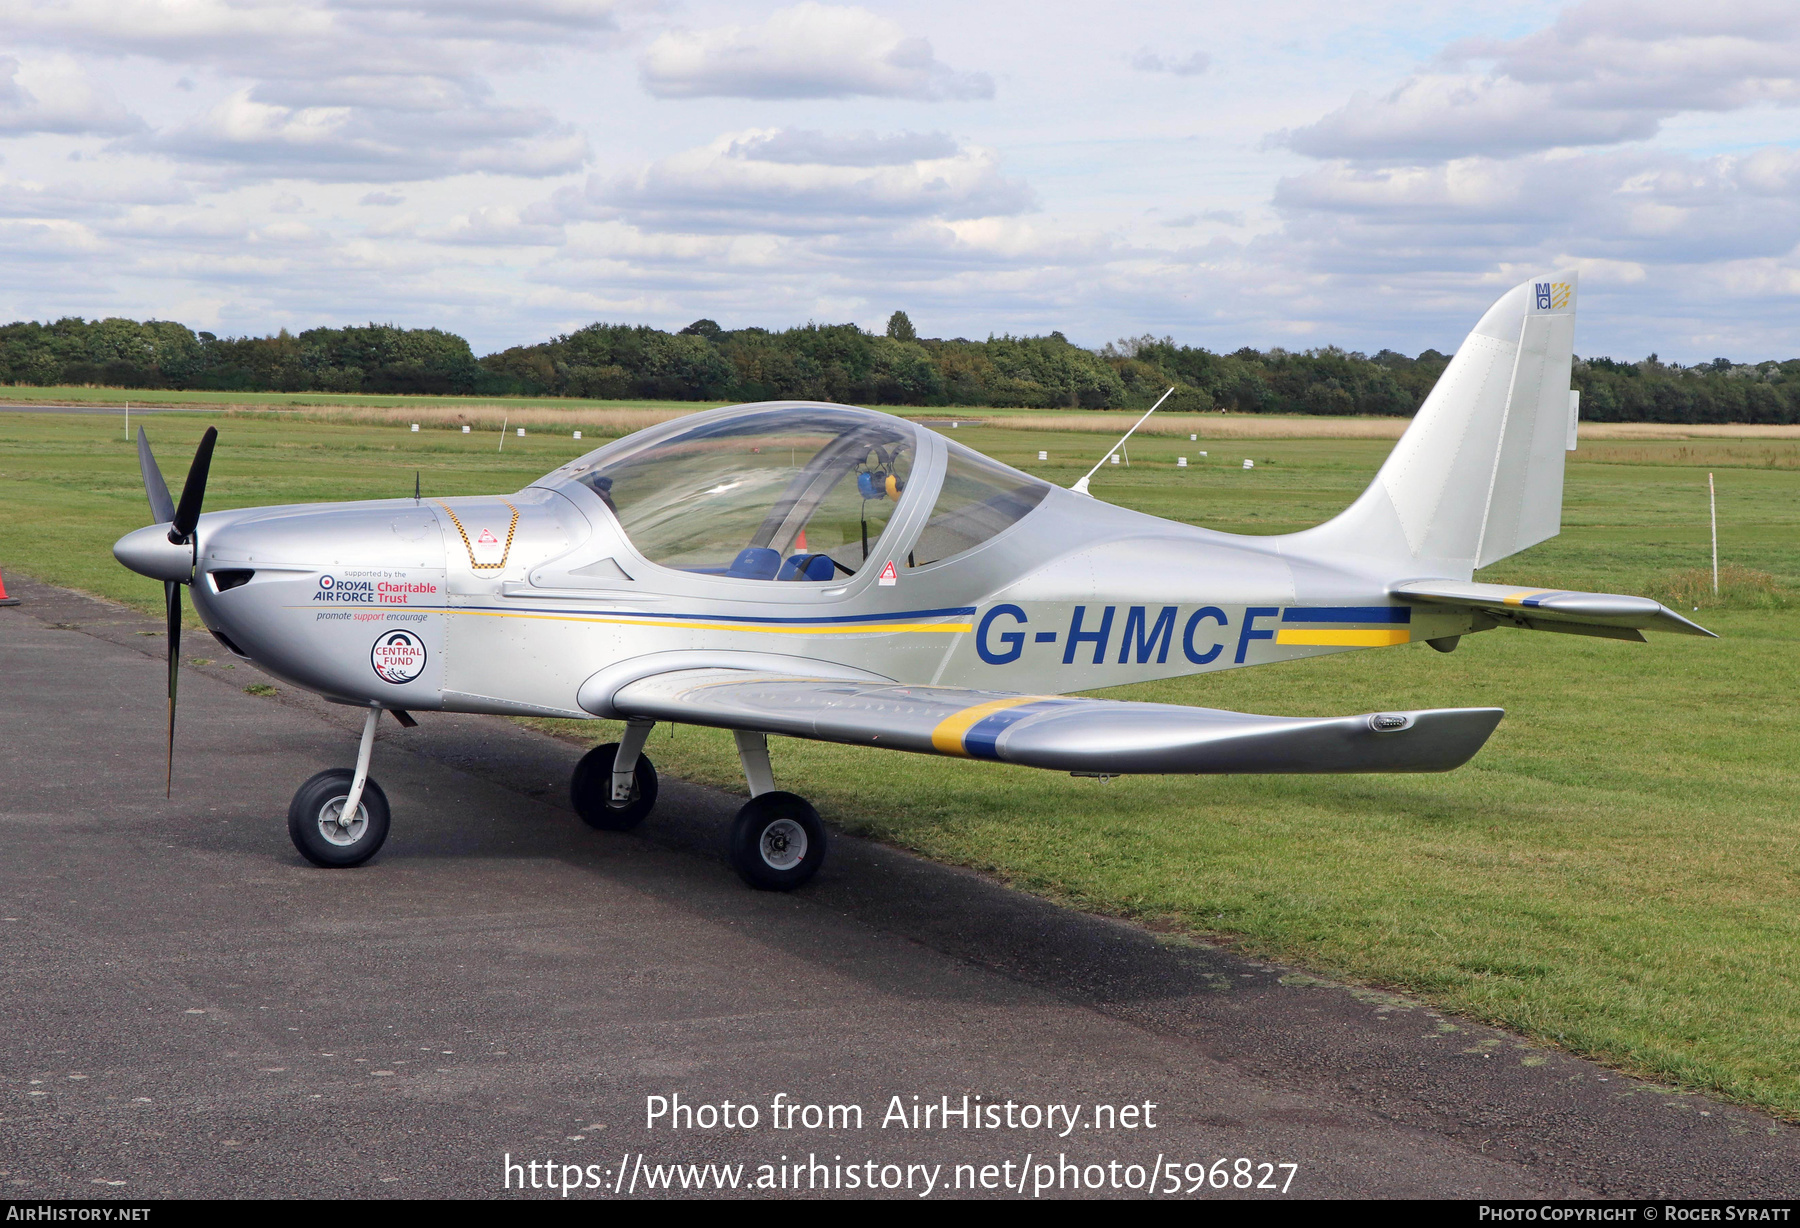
x=149 y=552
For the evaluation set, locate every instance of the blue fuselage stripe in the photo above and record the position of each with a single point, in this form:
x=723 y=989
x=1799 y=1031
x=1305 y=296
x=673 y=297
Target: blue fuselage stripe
x=669 y=616
x=830 y=618
x=1348 y=614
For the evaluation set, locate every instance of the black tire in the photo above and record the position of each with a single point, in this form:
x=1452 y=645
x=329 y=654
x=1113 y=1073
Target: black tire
x=777 y=842
x=590 y=790
x=314 y=811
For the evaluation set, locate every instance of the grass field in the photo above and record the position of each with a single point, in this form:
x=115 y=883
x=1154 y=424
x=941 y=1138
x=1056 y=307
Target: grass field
x=1618 y=872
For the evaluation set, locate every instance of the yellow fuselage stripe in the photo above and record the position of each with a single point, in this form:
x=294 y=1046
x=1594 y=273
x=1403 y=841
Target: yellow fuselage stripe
x=1344 y=639
x=831 y=629
x=947 y=738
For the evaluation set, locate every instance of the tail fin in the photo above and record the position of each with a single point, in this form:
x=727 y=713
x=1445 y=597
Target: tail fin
x=1479 y=473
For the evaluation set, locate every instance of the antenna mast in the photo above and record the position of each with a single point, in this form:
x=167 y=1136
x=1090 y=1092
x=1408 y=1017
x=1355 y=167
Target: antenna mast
x=1081 y=487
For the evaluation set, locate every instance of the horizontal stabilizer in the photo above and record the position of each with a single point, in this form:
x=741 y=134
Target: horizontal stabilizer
x=1550 y=609
x=1062 y=733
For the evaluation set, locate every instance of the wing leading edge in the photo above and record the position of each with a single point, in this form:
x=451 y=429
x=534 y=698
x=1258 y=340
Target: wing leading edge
x=1061 y=733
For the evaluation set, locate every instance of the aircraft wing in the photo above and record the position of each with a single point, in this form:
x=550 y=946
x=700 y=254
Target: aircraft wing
x=1548 y=609
x=1101 y=736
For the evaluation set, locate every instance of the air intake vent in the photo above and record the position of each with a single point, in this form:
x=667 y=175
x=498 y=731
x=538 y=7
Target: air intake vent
x=233 y=648
x=232 y=578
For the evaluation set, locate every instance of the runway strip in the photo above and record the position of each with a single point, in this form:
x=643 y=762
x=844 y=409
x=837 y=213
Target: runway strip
x=190 y=1009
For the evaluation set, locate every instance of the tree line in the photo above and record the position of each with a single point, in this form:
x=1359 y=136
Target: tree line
x=842 y=362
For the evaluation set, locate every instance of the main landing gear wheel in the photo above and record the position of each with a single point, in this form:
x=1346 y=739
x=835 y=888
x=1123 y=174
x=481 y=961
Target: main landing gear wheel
x=777 y=842
x=590 y=789
x=318 y=828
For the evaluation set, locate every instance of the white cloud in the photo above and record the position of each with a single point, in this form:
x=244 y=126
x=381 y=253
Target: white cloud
x=263 y=35
x=69 y=199
x=501 y=226
x=253 y=140
x=57 y=97
x=1190 y=65
x=1437 y=116
x=1605 y=72
x=849 y=183
x=1646 y=209
x=802 y=146
x=811 y=50
x=338 y=90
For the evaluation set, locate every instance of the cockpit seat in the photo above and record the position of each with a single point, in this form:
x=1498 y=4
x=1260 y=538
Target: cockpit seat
x=808 y=567
x=755 y=563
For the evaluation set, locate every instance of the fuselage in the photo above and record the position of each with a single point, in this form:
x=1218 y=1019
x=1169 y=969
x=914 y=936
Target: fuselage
x=510 y=604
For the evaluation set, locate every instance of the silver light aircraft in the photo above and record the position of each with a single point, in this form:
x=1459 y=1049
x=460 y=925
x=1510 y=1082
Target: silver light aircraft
x=829 y=572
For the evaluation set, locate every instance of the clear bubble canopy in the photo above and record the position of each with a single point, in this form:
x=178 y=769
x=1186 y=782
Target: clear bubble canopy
x=790 y=492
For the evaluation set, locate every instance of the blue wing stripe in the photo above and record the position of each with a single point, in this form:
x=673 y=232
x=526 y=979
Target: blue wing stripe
x=980 y=741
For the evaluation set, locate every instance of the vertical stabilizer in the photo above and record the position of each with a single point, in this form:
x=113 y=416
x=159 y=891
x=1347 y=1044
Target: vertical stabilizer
x=1479 y=473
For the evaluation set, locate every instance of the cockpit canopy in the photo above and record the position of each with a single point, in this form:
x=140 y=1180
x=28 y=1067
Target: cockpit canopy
x=793 y=492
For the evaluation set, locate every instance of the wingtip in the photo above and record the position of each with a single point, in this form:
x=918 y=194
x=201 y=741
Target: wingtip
x=1683 y=625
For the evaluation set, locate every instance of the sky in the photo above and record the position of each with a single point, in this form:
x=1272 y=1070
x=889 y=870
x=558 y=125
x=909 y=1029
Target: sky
x=1294 y=172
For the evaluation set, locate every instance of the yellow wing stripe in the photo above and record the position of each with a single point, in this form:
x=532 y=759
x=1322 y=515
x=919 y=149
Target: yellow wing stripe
x=947 y=738
x=1345 y=639
x=1519 y=597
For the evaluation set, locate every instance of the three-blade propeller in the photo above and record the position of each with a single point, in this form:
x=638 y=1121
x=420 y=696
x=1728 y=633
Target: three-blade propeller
x=182 y=518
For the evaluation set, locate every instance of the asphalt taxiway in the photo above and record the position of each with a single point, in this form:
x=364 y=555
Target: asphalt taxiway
x=188 y=1008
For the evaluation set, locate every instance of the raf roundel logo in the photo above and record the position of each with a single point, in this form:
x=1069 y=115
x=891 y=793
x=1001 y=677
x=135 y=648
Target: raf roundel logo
x=326 y=581
x=398 y=657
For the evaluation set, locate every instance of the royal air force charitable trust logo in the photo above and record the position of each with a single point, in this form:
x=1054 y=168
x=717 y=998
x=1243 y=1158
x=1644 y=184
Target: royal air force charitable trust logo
x=335 y=591
x=1551 y=295
x=398 y=657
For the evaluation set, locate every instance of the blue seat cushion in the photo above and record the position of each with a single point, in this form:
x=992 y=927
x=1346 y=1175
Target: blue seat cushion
x=807 y=567
x=755 y=563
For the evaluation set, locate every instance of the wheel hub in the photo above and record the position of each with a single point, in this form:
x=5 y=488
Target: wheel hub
x=341 y=829
x=783 y=844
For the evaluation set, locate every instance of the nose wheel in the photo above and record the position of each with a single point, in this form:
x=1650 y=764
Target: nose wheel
x=339 y=818
x=322 y=830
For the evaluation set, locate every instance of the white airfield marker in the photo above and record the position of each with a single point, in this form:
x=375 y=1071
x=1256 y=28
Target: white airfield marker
x=1712 y=500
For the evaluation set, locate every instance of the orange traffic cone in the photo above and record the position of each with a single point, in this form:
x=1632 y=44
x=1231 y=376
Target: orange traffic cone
x=4 y=599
